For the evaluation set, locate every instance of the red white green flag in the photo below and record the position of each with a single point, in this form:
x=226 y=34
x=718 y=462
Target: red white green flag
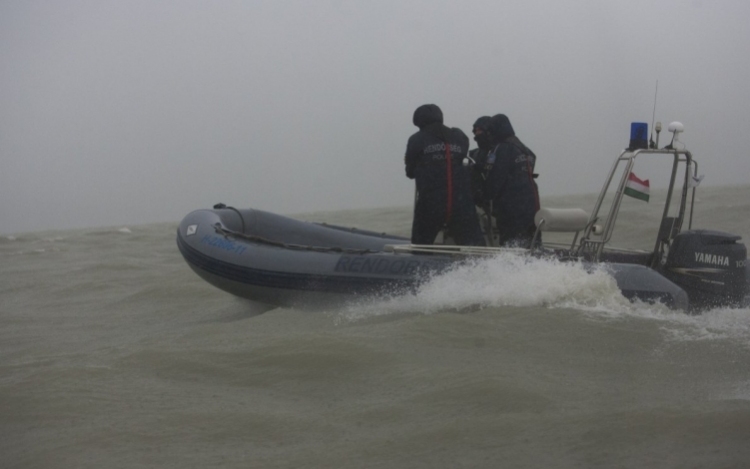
x=637 y=188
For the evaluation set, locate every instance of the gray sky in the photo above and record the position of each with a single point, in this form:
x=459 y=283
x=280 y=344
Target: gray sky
x=139 y=111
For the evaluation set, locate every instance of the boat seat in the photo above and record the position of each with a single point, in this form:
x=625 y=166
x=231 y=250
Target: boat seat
x=570 y=220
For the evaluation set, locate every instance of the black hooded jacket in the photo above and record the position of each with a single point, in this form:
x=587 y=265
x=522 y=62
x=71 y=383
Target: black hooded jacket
x=443 y=188
x=426 y=152
x=479 y=158
x=421 y=149
x=510 y=181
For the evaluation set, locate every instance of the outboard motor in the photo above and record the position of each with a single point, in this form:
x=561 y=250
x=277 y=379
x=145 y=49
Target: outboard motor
x=709 y=266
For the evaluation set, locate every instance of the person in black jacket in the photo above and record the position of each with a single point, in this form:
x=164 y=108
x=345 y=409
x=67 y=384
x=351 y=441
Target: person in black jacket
x=478 y=157
x=510 y=184
x=434 y=159
x=478 y=164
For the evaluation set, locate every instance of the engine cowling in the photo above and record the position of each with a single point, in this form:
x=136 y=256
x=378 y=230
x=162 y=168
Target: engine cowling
x=709 y=265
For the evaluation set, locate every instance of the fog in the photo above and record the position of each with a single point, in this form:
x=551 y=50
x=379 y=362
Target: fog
x=122 y=113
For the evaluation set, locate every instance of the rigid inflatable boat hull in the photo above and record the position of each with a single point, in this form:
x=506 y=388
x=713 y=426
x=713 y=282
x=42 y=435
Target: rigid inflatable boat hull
x=279 y=261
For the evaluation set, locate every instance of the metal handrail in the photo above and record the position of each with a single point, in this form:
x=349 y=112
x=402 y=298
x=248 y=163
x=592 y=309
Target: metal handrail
x=628 y=156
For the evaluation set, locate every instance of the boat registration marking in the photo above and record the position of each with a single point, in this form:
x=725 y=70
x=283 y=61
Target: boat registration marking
x=365 y=265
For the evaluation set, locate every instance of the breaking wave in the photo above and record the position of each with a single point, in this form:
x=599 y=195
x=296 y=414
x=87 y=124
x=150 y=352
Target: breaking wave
x=512 y=280
x=507 y=279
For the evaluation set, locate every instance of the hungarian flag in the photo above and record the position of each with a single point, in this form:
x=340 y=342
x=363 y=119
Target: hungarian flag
x=637 y=188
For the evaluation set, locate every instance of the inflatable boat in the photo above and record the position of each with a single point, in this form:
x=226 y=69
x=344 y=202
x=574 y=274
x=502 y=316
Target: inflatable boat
x=277 y=261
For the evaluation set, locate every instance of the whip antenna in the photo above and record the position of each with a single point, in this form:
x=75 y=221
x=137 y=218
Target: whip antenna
x=653 y=116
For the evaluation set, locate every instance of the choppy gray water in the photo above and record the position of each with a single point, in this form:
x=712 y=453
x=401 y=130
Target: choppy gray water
x=113 y=353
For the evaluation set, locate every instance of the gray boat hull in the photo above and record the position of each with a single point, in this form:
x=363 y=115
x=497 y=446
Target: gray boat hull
x=281 y=262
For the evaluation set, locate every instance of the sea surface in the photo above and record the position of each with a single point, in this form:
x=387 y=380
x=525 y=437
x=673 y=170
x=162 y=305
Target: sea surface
x=114 y=354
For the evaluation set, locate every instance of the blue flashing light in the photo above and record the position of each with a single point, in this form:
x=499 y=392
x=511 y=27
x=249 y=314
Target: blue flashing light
x=638 y=135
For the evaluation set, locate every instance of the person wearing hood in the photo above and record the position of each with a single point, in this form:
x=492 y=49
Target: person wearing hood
x=510 y=185
x=478 y=158
x=434 y=159
x=478 y=164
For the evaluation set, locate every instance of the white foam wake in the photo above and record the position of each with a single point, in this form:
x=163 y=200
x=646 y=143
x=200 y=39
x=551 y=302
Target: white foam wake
x=505 y=280
x=512 y=280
